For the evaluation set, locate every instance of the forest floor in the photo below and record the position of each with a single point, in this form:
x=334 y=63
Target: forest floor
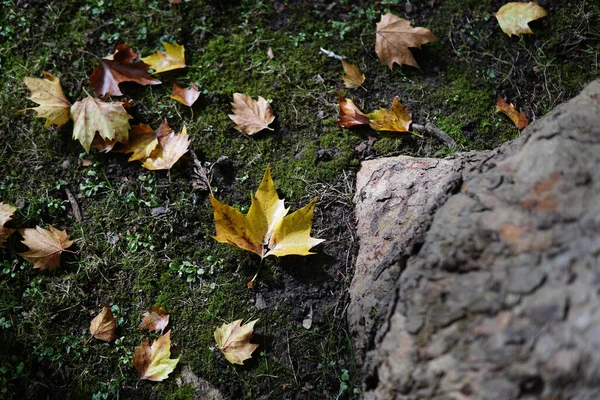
x=145 y=236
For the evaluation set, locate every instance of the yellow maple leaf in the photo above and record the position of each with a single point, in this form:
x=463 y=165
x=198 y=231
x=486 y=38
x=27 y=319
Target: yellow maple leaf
x=514 y=18
x=6 y=212
x=352 y=76
x=104 y=326
x=395 y=119
x=266 y=230
x=91 y=115
x=45 y=246
x=171 y=148
x=154 y=363
x=143 y=140
x=172 y=58
x=233 y=340
x=48 y=93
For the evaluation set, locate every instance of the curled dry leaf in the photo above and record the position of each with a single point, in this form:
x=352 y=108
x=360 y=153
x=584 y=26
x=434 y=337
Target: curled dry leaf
x=119 y=67
x=251 y=116
x=48 y=93
x=394 y=37
x=352 y=76
x=172 y=58
x=396 y=119
x=45 y=246
x=155 y=319
x=185 y=96
x=104 y=326
x=233 y=340
x=6 y=213
x=143 y=140
x=514 y=18
x=518 y=118
x=171 y=148
x=350 y=115
x=266 y=230
x=154 y=363
x=91 y=115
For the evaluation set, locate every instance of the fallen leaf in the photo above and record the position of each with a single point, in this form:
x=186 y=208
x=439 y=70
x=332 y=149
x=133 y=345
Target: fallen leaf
x=48 y=93
x=307 y=322
x=233 y=340
x=104 y=326
x=515 y=17
x=143 y=140
x=92 y=115
x=154 y=363
x=103 y=146
x=518 y=118
x=270 y=53
x=185 y=96
x=266 y=230
x=171 y=148
x=350 y=115
x=172 y=58
x=396 y=119
x=394 y=37
x=352 y=78
x=119 y=67
x=155 y=319
x=251 y=116
x=6 y=212
x=45 y=246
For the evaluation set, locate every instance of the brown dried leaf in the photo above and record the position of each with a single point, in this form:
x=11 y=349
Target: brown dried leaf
x=171 y=148
x=185 y=96
x=518 y=118
x=350 y=115
x=396 y=119
x=102 y=145
x=6 y=212
x=352 y=78
x=119 y=67
x=251 y=116
x=233 y=340
x=514 y=18
x=394 y=37
x=154 y=363
x=45 y=246
x=155 y=319
x=104 y=326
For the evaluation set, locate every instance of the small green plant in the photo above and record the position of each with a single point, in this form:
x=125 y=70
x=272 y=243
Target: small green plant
x=187 y=269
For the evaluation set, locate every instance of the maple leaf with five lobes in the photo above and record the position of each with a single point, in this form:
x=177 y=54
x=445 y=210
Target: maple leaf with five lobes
x=518 y=118
x=91 y=115
x=156 y=318
x=266 y=230
x=233 y=340
x=48 y=93
x=171 y=148
x=394 y=37
x=514 y=18
x=154 y=363
x=251 y=116
x=396 y=119
x=45 y=246
x=104 y=326
x=6 y=212
x=172 y=58
x=352 y=76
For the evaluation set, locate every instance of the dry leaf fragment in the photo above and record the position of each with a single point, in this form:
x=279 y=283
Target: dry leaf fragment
x=154 y=363
x=394 y=37
x=352 y=78
x=6 y=212
x=233 y=340
x=143 y=140
x=266 y=230
x=171 y=148
x=119 y=67
x=91 y=115
x=518 y=118
x=104 y=326
x=350 y=115
x=185 y=96
x=251 y=116
x=514 y=18
x=48 y=93
x=155 y=319
x=45 y=246
x=172 y=58
x=396 y=119
x=270 y=53
x=103 y=146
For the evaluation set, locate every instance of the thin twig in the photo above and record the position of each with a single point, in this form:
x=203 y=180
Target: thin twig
x=435 y=131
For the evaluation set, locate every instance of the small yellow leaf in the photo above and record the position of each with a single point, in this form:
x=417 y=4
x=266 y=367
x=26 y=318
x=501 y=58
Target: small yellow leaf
x=185 y=96
x=514 y=18
x=352 y=78
x=396 y=119
x=104 y=326
x=143 y=140
x=251 y=116
x=155 y=319
x=172 y=58
x=233 y=340
x=518 y=118
x=45 y=246
x=154 y=363
x=169 y=151
x=6 y=212
x=48 y=93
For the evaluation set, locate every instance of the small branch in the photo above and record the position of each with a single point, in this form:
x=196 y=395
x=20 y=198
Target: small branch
x=437 y=132
x=74 y=206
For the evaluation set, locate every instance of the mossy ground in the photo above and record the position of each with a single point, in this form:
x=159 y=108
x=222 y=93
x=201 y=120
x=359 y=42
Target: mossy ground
x=132 y=258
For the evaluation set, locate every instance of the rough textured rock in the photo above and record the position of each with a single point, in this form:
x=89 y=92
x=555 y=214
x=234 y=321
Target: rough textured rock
x=202 y=389
x=478 y=277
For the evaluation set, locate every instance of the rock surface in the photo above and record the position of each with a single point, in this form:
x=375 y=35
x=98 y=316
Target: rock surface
x=478 y=276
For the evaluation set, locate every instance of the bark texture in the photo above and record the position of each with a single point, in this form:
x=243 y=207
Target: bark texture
x=478 y=277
